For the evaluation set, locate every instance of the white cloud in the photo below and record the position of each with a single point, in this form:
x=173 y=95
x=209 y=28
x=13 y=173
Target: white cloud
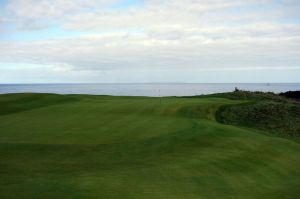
x=203 y=35
x=139 y=50
x=37 y=9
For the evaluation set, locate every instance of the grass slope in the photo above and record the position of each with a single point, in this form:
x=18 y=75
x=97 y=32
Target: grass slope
x=79 y=146
x=280 y=118
x=266 y=111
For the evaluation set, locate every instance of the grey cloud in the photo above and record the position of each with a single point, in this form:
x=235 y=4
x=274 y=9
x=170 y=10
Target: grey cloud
x=122 y=51
x=159 y=36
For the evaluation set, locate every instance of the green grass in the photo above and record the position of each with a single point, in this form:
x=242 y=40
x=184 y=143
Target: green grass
x=80 y=146
x=279 y=118
x=265 y=111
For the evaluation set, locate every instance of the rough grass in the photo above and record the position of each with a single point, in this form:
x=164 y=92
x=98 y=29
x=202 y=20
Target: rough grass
x=265 y=111
x=247 y=95
x=279 y=118
x=136 y=147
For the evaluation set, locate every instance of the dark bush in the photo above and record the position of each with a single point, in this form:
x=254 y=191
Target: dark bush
x=291 y=94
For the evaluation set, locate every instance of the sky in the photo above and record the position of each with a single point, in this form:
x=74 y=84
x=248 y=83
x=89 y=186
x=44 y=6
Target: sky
x=141 y=41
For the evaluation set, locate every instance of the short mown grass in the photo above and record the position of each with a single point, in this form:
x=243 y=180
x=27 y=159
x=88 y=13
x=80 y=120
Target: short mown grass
x=81 y=146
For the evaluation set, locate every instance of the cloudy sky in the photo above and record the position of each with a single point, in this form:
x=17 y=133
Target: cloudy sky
x=65 y=41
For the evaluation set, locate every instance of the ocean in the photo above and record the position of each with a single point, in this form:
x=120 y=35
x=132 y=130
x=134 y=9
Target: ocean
x=147 y=89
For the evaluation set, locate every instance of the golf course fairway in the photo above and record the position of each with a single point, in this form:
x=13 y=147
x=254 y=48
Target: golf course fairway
x=83 y=146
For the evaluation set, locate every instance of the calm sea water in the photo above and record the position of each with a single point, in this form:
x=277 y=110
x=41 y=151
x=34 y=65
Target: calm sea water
x=155 y=89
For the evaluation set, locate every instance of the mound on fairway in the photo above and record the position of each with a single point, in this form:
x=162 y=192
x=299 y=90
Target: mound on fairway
x=80 y=146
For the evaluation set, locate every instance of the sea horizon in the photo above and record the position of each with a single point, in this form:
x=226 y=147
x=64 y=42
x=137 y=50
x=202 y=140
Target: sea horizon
x=144 y=89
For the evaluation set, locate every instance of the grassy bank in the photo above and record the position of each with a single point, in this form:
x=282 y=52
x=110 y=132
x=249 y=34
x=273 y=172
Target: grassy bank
x=80 y=146
x=265 y=111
